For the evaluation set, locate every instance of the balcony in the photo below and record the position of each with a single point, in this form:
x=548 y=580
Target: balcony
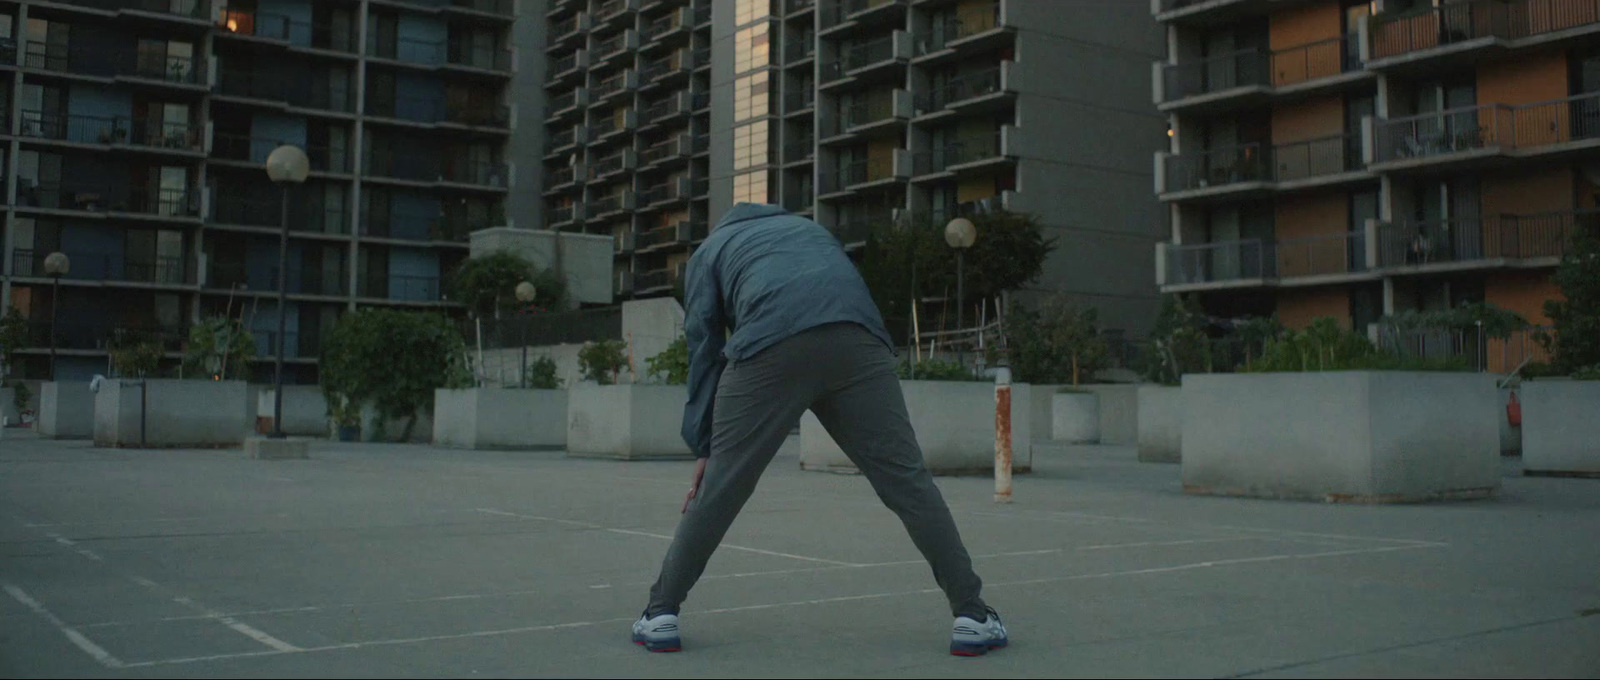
x=615 y=46
x=477 y=114
x=702 y=59
x=868 y=173
x=1254 y=168
x=613 y=125
x=879 y=109
x=1227 y=76
x=799 y=100
x=702 y=14
x=421 y=110
x=561 y=106
x=672 y=25
x=1433 y=33
x=882 y=56
x=968 y=153
x=575 y=63
x=801 y=151
x=700 y=188
x=666 y=109
x=979 y=27
x=474 y=173
x=798 y=49
x=411 y=51
x=462 y=55
x=676 y=147
x=566 y=140
x=973 y=90
x=612 y=205
x=657 y=281
x=1537 y=240
x=624 y=160
x=624 y=242
x=1249 y=77
x=563 y=216
x=161 y=271
x=398 y=288
x=1308 y=260
x=556 y=181
x=794 y=8
x=253 y=151
x=842 y=14
x=115 y=132
x=284 y=30
x=622 y=83
x=398 y=226
x=498 y=8
x=1487 y=132
x=408 y=166
x=108 y=198
x=666 y=69
x=569 y=30
x=663 y=194
x=277 y=91
x=615 y=10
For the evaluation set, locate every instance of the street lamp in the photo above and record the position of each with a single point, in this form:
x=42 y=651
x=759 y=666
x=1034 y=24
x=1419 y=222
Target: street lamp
x=56 y=265
x=525 y=291
x=960 y=233
x=286 y=165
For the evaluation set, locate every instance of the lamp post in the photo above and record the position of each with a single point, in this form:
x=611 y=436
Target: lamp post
x=960 y=233
x=525 y=293
x=56 y=265
x=286 y=165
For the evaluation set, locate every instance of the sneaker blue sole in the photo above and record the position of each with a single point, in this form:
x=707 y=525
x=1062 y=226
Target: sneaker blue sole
x=667 y=645
x=979 y=649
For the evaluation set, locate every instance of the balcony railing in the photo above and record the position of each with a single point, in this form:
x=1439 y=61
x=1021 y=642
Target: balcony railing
x=559 y=215
x=501 y=7
x=874 y=108
x=1232 y=165
x=797 y=6
x=1313 y=61
x=1246 y=259
x=1325 y=255
x=660 y=68
x=963 y=24
x=661 y=26
x=699 y=187
x=799 y=151
x=89 y=197
x=401 y=288
x=799 y=99
x=670 y=190
x=608 y=204
x=410 y=50
x=1316 y=158
x=477 y=114
x=479 y=57
x=961 y=88
x=860 y=56
x=1507 y=127
x=1458 y=22
x=110 y=130
x=281 y=88
x=562 y=102
x=967 y=149
x=662 y=151
x=609 y=86
x=800 y=47
x=660 y=110
x=487 y=174
x=170 y=271
x=1482 y=238
x=561 y=177
x=616 y=162
x=255 y=150
x=1216 y=74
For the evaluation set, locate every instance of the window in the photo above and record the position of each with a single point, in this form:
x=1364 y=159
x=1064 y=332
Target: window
x=750 y=96
x=751 y=48
x=750 y=187
x=750 y=145
x=751 y=10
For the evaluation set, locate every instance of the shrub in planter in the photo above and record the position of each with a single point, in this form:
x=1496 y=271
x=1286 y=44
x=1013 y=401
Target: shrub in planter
x=541 y=374
x=934 y=369
x=602 y=361
x=671 y=366
x=393 y=360
x=219 y=348
x=137 y=359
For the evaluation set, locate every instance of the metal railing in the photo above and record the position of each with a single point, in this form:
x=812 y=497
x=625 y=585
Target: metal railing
x=1215 y=74
x=799 y=151
x=405 y=107
x=564 y=28
x=654 y=280
x=460 y=171
x=616 y=162
x=1320 y=255
x=169 y=270
x=961 y=88
x=874 y=108
x=410 y=50
x=103 y=336
x=1244 y=259
x=608 y=204
x=1316 y=158
x=1232 y=165
x=611 y=9
x=860 y=56
x=539 y=330
x=402 y=288
x=559 y=215
x=670 y=190
x=1476 y=350
x=477 y=114
x=85 y=129
x=258 y=24
x=609 y=86
x=1457 y=22
x=699 y=187
x=103 y=198
x=500 y=7
x=661 y=26
x=420 y=167
x=562 y=102
x=797 y=6
x=1457 y=130
x=1480 y=238
x=480 y=57
x=669 y=65
x=1316 y=60
x=661 y=151
x=799 y=99
x=665 y=108
x=565 y=138
x=560 y=177
x=963 y=24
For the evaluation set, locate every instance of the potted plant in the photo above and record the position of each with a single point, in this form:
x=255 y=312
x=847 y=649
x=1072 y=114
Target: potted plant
x=346 y=418
x=633 y=421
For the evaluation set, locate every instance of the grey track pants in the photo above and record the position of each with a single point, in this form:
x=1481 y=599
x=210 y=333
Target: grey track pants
x=846 y=377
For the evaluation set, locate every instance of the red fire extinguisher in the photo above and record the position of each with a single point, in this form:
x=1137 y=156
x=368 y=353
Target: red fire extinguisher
x=1514 y=411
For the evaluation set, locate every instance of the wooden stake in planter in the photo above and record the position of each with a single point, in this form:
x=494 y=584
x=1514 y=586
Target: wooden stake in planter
x=1002 y=435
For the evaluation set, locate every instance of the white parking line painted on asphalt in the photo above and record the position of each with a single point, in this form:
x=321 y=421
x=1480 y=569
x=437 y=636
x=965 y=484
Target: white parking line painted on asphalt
x=73 y=545
x=1064 y=516
x=632 y=532
x=205 y=612
x=797 y=603
x=78 y=639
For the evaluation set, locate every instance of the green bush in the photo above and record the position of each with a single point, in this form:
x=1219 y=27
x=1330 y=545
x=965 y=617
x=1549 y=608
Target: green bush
x=136 y=359
x=1585 y=373
x=21 y=395
x=1056 y=343
x=672 y=364
x=393 y=360
x=1324 y=346
x=541 y=374
x=934 y=369
x=1576 y=317
x=487 y=284
x=220 y=348
x=602 y=361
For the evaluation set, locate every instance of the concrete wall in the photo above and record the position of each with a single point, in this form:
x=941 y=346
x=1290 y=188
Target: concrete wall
x=954 y=424
x=66 y=410
x=1075 y=417
x=586 y=259
x=501 y=367
x=305 y=410
x=627 y=422
x=179 y=413
x=648 y=326
x=1119 y=413
x=526 y=94
x=1160 y=424
x=1361 y=436
x=494 y=418
x=1560 y=433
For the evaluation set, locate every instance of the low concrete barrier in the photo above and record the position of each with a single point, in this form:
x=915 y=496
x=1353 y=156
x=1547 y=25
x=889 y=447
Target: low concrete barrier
x=1561 y=427
x=627 y=422
x=1352 y=436
x=1160 y=419
x=305 y=411
x=954 y=424
x=1075 y=417
x=175 y=413
x=66 y=411
x=1119 y=413
x=495 y=418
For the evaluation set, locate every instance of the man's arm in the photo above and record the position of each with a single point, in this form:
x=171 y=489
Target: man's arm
x=705 y=330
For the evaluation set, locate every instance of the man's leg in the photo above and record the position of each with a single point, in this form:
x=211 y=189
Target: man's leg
x=867 y=417
x=757 y=404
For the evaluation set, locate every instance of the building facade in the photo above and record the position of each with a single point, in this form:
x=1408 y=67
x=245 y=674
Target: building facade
x=1332 y=158
x=135 y=139
x=858 y=112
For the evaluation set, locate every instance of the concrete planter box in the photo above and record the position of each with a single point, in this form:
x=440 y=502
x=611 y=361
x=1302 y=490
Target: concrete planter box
x=954 y=423
x=1353 y=436
x=66 y=411
x=8 y=407
x=1560 y=428
x=393 y=430
x=177 y=413
x=305 y=411
x=491 y=418
x=1119 y=413
x=1510 y=435
x=627 y=422
x=1075 y=417
x=1160 y=420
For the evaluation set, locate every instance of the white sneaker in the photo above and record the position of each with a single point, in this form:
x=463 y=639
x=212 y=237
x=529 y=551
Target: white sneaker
x=659 y=634
x=975 y=638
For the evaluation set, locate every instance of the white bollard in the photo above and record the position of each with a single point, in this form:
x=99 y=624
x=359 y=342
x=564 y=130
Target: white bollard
x=1002 y=435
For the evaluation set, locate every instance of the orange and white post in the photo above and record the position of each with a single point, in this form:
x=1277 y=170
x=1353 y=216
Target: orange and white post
x=1002 y=435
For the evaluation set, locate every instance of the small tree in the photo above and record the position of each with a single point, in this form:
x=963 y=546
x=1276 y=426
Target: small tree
x=13 y=337
x=137 y=359
x=1576 y=319
x=602 y=361
x=218 y=348
x=541 y=374
x=672 y=364
x=1057 y=343
x=1178 y=341
x=393 y=360
x=487 y=285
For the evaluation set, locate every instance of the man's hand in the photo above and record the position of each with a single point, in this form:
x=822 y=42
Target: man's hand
x=694 y=488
